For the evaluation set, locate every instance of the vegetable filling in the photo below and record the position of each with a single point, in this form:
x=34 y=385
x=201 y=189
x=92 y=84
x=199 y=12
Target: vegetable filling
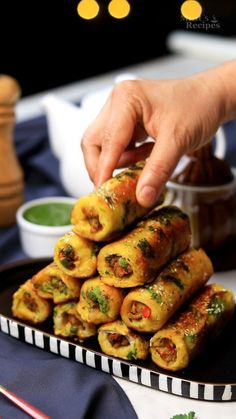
x=93 y=219
x=30 y=302
x=67 y=257
x=138 y=311
x=166 y=349
x=116 y=340
x=51 y=285
x=74 y=321
x=119 y=265
x=98 y=300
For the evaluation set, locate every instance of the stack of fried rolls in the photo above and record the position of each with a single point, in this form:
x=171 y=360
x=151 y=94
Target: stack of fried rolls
x=129 y=276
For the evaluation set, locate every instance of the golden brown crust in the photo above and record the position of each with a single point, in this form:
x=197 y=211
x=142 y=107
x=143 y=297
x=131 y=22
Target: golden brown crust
x=68 y=323
x=182 y=338
x=99 y=303
x=76 y=256
x=146 y=309
x=145 y=249
x=28 y=305
x=117 y=340
x=101 y=215
x=52 y=283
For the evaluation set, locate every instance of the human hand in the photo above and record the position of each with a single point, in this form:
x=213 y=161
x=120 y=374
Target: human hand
x=179 y=115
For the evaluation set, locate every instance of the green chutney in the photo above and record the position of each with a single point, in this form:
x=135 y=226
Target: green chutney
x=50 y=214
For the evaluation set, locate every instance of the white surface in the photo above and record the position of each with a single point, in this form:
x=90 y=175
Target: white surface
x=154 y=404
x=202 y=46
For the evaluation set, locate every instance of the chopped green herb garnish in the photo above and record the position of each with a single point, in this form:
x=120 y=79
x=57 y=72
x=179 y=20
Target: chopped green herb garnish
x=165 y=214
x=95 y=250
x=123 y=263
x=190 y=415
x=216 y=306
x=146 y=248
x=97 y=297
x=73 y=329
x=175 y=280
x=132 y=354
x=191 y=338
x=67 y=257
x=155 y=295
x=137 y=166
x=126 y=211
x=54 y=284
x=130 y=174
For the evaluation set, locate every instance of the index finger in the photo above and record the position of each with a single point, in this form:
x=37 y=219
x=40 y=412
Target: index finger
x=111 y=132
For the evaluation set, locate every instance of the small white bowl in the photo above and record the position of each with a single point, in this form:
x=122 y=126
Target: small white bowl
x=39 y=240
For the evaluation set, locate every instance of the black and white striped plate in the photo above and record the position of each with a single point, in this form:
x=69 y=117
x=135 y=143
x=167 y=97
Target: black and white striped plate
x=211 y=377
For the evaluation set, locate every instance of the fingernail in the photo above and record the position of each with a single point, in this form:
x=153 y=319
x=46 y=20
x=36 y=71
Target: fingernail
x=147 y=196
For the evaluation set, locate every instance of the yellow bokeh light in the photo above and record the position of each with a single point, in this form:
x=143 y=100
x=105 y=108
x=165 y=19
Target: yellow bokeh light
x=191 y=9
x=88 y=9
x=119 y=8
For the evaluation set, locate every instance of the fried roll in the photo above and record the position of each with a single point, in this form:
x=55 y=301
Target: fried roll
x=68 y=323
x=147 y=308
x=76 y=256
x=51 y=283
x=182 y=339
x=102 y=214
x=28 y=305
x=137 y=257
x=99 y=303
x=117 y=340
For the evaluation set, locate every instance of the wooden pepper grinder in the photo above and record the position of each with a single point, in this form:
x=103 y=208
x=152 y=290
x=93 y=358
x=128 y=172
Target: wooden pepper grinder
x=11 y=174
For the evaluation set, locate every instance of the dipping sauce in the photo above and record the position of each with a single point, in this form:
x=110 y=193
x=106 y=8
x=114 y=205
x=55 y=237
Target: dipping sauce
x=49 y=214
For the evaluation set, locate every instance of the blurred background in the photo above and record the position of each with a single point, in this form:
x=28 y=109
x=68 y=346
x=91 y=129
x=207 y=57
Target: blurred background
x=46 y=44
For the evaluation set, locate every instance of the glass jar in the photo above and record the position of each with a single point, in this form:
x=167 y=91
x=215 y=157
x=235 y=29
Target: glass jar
x=206 y=190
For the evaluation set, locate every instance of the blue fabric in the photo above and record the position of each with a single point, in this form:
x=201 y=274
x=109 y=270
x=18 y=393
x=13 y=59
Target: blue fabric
x=61 y=388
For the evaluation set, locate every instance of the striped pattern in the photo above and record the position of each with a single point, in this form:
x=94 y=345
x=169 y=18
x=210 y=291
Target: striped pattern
x=173 y=385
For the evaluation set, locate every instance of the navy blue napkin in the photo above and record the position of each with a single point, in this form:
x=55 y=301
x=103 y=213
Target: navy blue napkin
x=61 y=388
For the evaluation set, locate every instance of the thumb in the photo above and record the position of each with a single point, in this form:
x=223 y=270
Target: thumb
x=158 y=169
